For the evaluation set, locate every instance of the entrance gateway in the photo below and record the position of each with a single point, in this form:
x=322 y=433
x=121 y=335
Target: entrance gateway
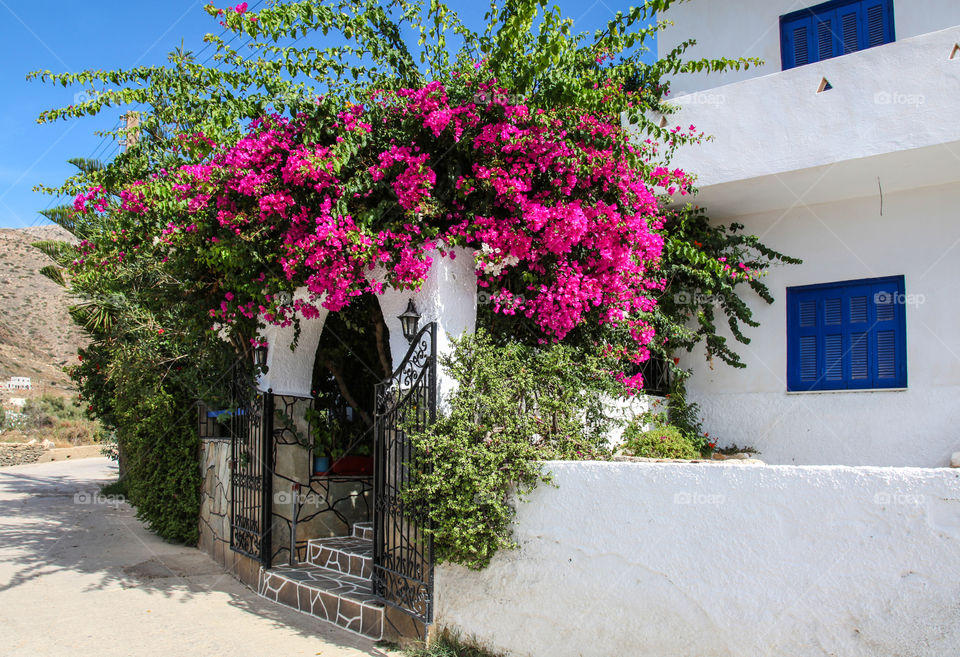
x=402 y=576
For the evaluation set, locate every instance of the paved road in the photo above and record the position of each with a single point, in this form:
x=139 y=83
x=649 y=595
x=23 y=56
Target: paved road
x=86 y=579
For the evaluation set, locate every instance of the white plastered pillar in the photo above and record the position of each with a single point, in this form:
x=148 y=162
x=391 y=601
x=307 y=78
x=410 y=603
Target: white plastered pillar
x=448 y=297
x=290 y=372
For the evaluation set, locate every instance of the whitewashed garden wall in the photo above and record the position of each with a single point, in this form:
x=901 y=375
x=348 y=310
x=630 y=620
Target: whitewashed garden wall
x=722 y=560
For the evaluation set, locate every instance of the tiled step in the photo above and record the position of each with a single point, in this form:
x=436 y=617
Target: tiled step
x=344 y=554
x=363 y=530
x=334 y=597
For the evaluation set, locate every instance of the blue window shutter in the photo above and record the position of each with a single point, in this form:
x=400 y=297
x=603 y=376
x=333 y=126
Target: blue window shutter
x=849 y=335
x=825 y=35
x=888 y=346
x=851 y=24
x=877 y=25
x=834 y=28
x=805 y=352
x=796 y=42
x=856 y=330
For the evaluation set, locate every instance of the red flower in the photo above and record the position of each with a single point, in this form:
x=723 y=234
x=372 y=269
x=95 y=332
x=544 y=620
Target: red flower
x=160 y=331
x=242 y=8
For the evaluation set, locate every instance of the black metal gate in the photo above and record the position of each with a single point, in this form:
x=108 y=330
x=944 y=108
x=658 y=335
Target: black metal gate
x=251 y=481
x=402 y=551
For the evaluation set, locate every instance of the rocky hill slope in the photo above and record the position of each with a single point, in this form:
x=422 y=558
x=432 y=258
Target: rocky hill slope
x=37 y=336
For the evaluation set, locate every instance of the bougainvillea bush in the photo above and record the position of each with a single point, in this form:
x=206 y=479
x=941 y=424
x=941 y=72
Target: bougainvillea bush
x=391 y=136
x=560 y=208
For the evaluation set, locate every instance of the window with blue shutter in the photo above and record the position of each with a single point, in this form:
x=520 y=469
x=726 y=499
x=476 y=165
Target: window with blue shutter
x=834 y=28
x=847 y=336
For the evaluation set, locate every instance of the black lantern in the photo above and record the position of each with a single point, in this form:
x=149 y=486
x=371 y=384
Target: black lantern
x=409 y=320
x=260 y=356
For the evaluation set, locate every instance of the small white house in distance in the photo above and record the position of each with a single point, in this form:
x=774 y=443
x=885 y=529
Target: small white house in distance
x=18 y=402
x=842 y=150
x=19 y=383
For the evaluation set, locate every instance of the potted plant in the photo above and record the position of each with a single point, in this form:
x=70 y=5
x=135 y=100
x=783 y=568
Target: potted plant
x=325 y=450
x=322 y=440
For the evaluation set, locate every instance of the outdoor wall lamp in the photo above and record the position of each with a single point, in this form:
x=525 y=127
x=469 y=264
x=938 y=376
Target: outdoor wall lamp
x=409 y=320
x=260 y=356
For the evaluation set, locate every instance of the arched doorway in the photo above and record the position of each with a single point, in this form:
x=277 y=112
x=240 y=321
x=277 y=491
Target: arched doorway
x=352 y=357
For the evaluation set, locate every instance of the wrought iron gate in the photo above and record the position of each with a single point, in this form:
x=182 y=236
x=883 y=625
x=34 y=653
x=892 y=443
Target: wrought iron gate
x=251 y=478
x=402 y=551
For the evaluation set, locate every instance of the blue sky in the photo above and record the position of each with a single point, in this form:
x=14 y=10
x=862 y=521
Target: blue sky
x=63 y=36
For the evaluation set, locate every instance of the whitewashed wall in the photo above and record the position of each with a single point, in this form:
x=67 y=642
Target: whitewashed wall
x=895 y=104
x=918 y=236
x=448 y=297
x=710 y=560
x=751 y=28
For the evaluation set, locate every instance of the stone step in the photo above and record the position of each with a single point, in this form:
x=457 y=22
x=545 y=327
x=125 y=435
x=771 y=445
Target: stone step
x=363 y=530
x=343 y=600
x=343 y=554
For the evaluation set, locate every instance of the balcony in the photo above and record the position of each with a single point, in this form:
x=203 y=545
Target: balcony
x=888 y=116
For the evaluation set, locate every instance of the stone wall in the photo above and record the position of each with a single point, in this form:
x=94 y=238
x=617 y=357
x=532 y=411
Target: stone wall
x=721 y=560
x=215 y=512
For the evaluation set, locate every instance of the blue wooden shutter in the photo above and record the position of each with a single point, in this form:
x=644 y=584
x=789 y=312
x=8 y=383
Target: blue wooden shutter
x=834 y=28
x=888 y=346
x=796 y=42
x=851 y=28
x=857 y=327
x=849 y=335
x=826 y=29
x=877 y=25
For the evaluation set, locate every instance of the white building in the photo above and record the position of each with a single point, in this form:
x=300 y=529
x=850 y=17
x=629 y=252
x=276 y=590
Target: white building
x=842 y=150
x=18 y=402
x=19 y=383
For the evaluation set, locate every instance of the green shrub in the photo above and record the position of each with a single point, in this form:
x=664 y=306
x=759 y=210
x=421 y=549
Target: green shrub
x=157 y=435
x=661 y=442
x=514 y=406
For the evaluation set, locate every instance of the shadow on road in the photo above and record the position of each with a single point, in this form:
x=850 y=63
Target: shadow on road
x=53 y=522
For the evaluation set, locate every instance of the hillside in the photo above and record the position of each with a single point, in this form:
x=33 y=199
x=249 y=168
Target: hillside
x=37 y=337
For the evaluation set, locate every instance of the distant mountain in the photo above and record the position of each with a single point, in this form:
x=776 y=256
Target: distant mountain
x=37 y=336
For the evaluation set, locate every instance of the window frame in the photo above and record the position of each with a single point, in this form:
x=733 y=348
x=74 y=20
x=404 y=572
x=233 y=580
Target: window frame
x=821 y=13
x=794 y=331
